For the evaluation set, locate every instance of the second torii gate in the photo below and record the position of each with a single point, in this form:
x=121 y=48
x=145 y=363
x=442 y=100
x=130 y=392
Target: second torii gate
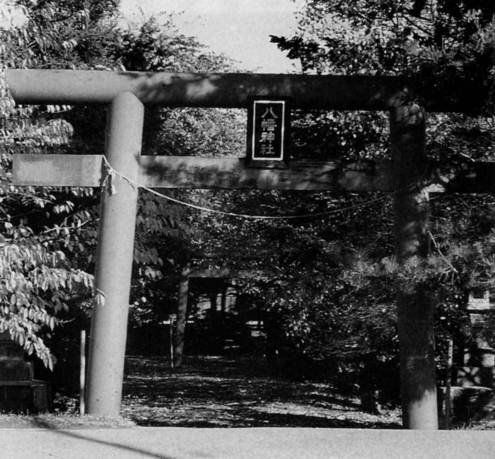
x=128 y=92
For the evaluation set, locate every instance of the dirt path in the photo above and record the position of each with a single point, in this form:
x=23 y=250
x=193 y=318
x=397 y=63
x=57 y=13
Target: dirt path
x=217 y=392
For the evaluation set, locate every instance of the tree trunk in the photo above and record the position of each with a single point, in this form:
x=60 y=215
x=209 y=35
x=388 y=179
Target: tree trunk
x=368 y=390
x=414 y=309
x=180 y=326
x=213 y=305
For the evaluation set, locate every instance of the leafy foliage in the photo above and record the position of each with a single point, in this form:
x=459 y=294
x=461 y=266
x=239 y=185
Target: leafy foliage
x=345 y=313
x=48 y=236
x=369 y=36
x=42 y=229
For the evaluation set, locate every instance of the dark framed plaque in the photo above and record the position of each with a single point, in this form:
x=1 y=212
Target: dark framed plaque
x=268 y=125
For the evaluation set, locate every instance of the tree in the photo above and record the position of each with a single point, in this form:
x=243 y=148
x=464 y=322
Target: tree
x=50 y=235
x=44 y=261
x=435 y=42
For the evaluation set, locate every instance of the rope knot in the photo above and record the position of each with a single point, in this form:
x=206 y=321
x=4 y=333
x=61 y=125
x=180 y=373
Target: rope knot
x=110 y=174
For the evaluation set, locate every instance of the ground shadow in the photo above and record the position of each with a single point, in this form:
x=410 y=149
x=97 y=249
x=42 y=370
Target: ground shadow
x=43 y=424
x=220 y=392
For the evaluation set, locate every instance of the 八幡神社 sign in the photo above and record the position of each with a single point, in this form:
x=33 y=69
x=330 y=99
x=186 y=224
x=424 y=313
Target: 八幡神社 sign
x=267 y=130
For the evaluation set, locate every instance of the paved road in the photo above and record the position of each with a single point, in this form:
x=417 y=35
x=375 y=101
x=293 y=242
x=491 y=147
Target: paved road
x=269 y=443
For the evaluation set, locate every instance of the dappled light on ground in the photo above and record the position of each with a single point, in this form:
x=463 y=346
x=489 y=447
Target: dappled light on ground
x=218 y=392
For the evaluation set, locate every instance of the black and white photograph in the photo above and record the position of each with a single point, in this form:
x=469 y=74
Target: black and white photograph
x=247 y=229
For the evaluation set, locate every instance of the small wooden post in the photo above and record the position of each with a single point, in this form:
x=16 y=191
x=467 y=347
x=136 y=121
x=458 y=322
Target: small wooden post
x=171 y=339
x=114 y=258
x=82 y=374
x=414 y=309
x=448 y=383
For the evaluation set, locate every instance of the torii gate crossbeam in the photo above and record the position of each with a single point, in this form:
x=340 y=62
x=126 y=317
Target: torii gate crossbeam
x=127 y=92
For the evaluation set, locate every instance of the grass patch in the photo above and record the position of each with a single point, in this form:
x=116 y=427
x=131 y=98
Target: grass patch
x=61 y=421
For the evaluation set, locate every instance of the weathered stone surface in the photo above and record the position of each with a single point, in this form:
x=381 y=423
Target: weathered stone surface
x=19 y=391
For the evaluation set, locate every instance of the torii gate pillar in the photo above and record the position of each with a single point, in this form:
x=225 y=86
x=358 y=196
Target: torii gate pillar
x=414 y=309
x=114 y=258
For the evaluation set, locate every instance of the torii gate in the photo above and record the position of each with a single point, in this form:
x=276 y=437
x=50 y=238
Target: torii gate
x=128 y=92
